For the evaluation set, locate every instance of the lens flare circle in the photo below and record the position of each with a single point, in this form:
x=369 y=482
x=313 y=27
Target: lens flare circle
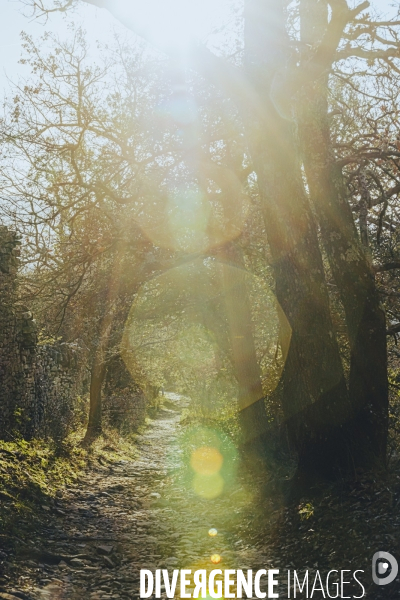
x=194 y=298
x=206 y=460
x=208 y=487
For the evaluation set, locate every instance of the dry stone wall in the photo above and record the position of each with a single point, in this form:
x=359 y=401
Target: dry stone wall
x=39 y=384
x=124 y=403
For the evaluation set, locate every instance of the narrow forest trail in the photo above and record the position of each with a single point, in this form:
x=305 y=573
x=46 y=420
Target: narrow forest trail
x=92 y=540
x=132 y=515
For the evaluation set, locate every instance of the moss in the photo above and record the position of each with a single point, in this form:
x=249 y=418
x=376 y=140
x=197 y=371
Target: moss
x=31 y=473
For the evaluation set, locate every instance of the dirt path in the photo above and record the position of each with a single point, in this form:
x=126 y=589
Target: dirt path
x=151 y=513
x=132 y=515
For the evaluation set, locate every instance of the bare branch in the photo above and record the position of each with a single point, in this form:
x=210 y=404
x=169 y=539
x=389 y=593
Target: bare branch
x=393 y=330
x=389 y=266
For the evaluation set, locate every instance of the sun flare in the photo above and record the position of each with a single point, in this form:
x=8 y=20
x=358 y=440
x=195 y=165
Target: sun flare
x=172 y=23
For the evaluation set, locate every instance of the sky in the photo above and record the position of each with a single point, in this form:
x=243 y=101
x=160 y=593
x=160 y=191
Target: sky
x=98 y=23
x=14 y=19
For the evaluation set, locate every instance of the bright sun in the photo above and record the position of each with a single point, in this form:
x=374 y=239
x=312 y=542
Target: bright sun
x=168 y=23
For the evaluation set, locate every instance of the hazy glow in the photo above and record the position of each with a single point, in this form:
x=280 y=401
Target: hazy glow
x=190 y=219
x=206 y=461
x=215 y=559
x=174 y=331
x=172 y=23
x=212 y=532
x=187 y=219
x=208 y=486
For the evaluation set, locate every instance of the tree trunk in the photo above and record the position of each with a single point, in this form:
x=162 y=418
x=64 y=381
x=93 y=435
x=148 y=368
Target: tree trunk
x=99 y=366
x=314 y=387
x=366 y=429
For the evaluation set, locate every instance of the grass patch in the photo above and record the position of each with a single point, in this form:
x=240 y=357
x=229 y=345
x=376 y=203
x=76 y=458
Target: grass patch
x=35 y=472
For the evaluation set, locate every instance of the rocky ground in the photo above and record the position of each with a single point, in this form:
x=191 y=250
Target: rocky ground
x=152 y=512
x=125 y=516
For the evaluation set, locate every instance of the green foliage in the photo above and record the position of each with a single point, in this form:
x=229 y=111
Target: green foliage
x=47 y=340
x=306 y=511
x=31 y=473
x=394 y=414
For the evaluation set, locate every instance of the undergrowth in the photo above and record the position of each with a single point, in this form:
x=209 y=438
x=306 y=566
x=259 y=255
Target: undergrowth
x=33 y=473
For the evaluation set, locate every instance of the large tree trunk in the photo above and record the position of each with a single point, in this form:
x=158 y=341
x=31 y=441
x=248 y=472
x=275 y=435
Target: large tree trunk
x=314 y=388
x=366 y=430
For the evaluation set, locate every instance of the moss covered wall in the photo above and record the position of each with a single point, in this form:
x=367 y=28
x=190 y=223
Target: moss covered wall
x=38 y=383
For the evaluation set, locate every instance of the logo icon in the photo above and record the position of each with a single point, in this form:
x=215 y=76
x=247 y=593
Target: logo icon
x=384 y=568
